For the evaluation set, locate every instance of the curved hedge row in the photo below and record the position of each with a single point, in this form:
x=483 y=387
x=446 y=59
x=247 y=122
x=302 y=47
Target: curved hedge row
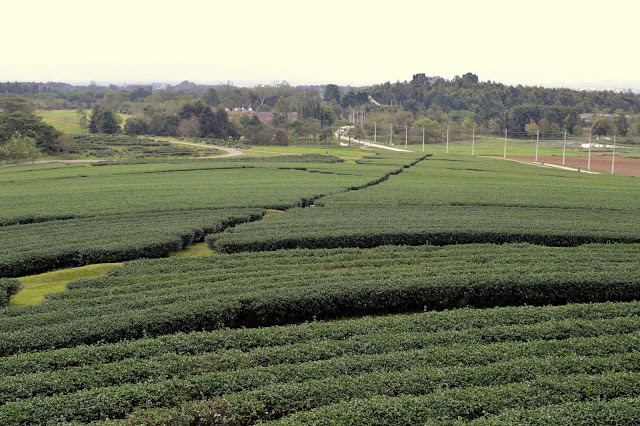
x=8 y=287
x=451 y=277
x=39 y=247
x=427 y=329
x=478 y=201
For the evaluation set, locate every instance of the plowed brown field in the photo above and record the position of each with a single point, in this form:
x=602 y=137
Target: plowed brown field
x=623 y=165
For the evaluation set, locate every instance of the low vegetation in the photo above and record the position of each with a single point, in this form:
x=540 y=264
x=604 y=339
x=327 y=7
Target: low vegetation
x=87 y=215
x=8 y=287
x=489 y=361
x=454 y=200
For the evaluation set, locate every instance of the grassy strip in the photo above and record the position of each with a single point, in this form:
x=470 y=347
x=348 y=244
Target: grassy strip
x=65 y=243
x=36 y=287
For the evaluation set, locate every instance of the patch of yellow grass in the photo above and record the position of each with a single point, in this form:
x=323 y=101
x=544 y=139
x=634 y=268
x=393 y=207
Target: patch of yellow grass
x=197 y=249
x=36 y=287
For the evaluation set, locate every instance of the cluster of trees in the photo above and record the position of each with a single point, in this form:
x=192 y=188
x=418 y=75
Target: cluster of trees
x=29 y=126
x=459 y=104
x=103 y=120
x=493 y=106
x=19 y=148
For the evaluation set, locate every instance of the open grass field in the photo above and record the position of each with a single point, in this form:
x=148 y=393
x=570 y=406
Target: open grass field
x=66 y=121
x=494 y=147
x=390 y=288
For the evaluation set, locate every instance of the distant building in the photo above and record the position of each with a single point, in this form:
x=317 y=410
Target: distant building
x=265 y=116
x=262 y=116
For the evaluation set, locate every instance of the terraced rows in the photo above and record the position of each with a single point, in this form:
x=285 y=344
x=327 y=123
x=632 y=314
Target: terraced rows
x=457 y=200
x=582 y=353
x=61 y=217
x=149 y=298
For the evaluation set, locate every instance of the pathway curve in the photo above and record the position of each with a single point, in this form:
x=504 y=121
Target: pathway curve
x=361 y=142
x=231 y=152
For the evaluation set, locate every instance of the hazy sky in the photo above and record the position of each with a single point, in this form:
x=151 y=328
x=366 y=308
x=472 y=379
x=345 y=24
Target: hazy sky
x=345 y=42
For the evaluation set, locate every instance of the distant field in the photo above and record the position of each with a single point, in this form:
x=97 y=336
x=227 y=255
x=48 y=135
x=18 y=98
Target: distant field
x=66 y=121
x=453 y=199
x=77 y=215
x=516 y=147
x=390 y=288
x=352 y=152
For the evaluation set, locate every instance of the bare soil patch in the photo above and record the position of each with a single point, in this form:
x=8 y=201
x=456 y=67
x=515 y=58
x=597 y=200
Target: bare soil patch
x=623 y=165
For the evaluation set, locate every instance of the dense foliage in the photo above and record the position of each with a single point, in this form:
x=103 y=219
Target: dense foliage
x=123 y=146
x=499 y=333
x=27 y=125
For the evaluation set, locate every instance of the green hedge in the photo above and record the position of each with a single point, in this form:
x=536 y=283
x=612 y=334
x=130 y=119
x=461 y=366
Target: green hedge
x=227 y=294
x=8 y=287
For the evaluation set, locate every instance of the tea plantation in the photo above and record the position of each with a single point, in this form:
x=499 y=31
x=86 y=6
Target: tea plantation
x=458 y=200
x=74 y=215
x=397 y=289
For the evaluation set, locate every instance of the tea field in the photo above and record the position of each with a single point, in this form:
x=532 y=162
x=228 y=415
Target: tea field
x=392 y=289
x=457 y=200
x=76 y=214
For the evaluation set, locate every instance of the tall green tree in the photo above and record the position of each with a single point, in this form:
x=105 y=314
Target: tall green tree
x=109 y=123
x=96 y=116
x=621 y=122
x=332 y=92
x=19 y=148
x=432 y=128
x=211 y=97
x=601 y=127
x=27 y=125
x=14 y=103
x=83 y=120
x=532 y=128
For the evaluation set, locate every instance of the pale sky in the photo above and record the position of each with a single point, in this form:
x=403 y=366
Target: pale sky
x=344 y=42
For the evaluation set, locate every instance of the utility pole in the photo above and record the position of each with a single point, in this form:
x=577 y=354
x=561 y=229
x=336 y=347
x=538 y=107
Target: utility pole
x=423 y=139
x=375 y=132
x=391 y=134
x=505 y=143
x=406 y=136
x=473 y=143
x=589 y=161
x=613 y=156
x=537 y=143
x=447 y=140
x=564 y=148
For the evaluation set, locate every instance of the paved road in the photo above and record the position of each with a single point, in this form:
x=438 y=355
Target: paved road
x=374 y=145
